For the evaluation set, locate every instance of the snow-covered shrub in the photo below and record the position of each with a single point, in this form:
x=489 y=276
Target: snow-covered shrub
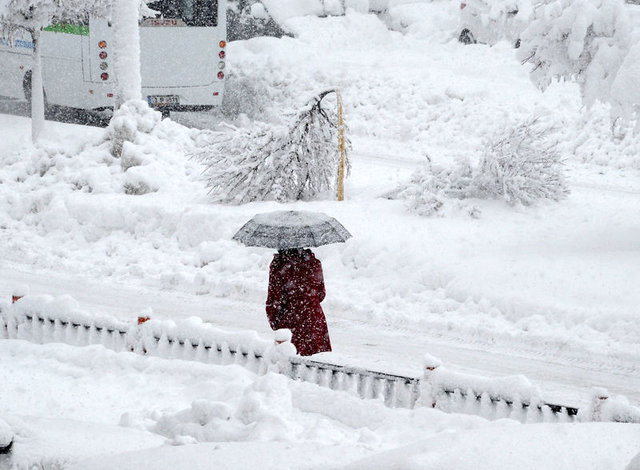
x=246 y=19
x=275 y=163
x=243 y=95
x=431 y=185
x=582 y=40
x=521 y=165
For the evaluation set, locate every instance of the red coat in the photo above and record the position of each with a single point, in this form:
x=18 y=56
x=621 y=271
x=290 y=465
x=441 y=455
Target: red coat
x=296 y=288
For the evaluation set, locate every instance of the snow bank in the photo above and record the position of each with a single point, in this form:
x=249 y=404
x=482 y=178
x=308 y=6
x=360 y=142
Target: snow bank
x=282 y=10
x=433 y=20
x=57 y=443
x=507 y=447
x=634 y=464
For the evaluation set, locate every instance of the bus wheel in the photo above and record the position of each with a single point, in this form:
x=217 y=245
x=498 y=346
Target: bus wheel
x=26 y=87
x=466 y=37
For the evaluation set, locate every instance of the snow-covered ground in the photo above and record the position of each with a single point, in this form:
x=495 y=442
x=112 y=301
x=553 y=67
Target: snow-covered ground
x=90 y=408
x=549 y=291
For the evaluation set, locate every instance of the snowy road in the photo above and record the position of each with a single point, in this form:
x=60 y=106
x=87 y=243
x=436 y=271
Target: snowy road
x=564 y=376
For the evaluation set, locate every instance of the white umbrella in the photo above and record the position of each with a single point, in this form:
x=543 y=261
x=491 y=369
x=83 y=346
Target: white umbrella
x=284 y=230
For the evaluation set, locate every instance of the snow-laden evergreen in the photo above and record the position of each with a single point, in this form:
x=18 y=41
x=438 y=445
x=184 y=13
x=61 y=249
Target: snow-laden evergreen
x=297 y=162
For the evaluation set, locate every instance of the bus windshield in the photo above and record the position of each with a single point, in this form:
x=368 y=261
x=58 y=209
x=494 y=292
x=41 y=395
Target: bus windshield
x=192 y=12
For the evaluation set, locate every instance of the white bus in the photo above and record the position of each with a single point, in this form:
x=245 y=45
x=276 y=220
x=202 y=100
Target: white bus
x=183 y=49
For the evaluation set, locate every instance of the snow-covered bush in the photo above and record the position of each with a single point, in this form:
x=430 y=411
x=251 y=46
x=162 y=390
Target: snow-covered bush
x=582 y=40
x=519 y=165
x=431 y=185
x=275 y=163
x=246 y=19
x=243 y=95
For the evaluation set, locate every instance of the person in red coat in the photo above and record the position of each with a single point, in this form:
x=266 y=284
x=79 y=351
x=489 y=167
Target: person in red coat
x=296 y=288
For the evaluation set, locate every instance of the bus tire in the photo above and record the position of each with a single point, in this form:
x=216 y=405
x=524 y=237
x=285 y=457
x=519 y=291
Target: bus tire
x=26 y=87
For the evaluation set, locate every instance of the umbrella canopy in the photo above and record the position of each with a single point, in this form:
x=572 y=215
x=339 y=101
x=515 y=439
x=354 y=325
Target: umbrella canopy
x=291 y=229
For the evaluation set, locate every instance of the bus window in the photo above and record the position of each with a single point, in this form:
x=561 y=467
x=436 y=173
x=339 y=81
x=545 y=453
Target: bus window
x=192 y=12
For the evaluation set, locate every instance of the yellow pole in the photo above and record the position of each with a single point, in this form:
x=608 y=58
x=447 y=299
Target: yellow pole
x=341 y=146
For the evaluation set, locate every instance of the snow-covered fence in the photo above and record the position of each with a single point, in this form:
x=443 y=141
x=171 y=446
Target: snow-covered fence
x=45 y=320
x=394 y=390
x=41 y=319
x=506 y=397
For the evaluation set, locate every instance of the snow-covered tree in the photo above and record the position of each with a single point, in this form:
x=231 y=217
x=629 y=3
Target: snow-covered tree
x=131 y=113
x=126 y=41
x=34 y=15
x=520 y=165
x=581 y=40
x=299 y=161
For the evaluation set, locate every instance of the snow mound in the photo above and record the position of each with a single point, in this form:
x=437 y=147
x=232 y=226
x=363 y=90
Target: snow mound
x=6 y=435
x=264 y=412
x=507 y=447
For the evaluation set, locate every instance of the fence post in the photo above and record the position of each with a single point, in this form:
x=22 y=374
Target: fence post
x=600 y=396
x=279 y=356
x=427 y=392
x=18 y=293
x=341 y=146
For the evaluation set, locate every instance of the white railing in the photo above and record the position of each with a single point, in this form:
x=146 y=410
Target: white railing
x=46 y=320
